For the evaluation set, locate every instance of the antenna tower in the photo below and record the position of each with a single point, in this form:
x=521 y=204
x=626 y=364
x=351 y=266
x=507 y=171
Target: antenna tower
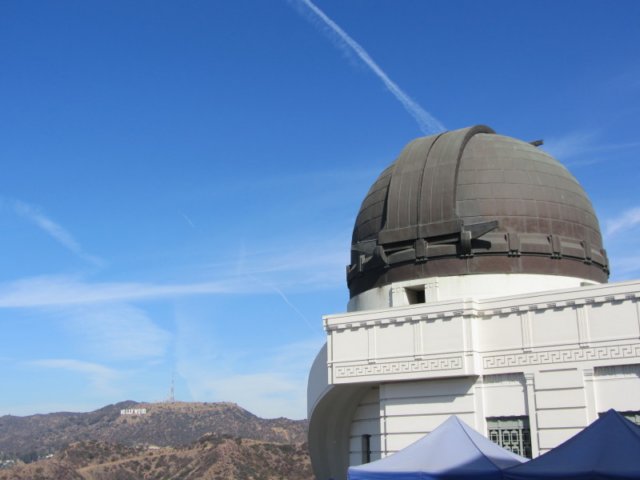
x=172 y=397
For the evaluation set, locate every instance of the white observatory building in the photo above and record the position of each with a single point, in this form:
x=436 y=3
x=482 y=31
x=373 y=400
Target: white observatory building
x=478 y=287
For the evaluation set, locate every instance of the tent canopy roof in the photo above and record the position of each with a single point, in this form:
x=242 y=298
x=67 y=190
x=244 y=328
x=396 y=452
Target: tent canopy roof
x=453 y=450
x=608 y=448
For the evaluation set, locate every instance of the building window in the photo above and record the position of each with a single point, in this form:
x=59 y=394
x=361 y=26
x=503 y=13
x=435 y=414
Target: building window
x=416 y=295
x=366 y=448
x=511 y=433
x=631 y=416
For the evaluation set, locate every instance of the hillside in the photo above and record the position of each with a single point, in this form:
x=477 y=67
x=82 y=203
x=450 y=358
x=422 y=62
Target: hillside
x=211 y=457
x=173 y=424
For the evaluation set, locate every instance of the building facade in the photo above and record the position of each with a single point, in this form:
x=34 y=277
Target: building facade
x=478 y=285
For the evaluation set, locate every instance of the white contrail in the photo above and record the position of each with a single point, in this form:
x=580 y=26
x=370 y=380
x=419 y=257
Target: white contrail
x=187 y=219
x=54 y=230
x=426 y=122
x=293 y=307
x=626 y=221
x=285 y=299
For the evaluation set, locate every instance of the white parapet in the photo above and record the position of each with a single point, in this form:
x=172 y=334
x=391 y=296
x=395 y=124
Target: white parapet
x=477 y=336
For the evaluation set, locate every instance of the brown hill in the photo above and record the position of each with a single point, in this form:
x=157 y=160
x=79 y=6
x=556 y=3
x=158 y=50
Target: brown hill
x=211 y=457
x=165 y=424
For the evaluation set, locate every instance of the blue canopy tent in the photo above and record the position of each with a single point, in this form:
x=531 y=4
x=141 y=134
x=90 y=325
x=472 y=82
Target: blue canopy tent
x=609 y=448
x=453 y=451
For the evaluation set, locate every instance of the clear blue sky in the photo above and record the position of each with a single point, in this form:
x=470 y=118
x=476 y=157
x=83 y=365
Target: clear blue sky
x=179 y=179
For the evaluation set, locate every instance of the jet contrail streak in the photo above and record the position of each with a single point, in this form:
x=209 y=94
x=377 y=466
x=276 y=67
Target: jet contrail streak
x=426 y=122
x=285 y=299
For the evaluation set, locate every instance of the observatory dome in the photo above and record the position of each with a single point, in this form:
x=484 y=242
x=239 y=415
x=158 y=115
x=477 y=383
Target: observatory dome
x=470 y=202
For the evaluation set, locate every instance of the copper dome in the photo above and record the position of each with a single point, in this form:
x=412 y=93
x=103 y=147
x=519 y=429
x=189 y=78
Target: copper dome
x=471 y=202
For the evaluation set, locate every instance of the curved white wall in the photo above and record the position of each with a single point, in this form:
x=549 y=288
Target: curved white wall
x=318 y=382
x=462 y=286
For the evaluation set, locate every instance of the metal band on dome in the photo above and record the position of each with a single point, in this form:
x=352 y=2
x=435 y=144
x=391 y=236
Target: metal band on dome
x=421 y=202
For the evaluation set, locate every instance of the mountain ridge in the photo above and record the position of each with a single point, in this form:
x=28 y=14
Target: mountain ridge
x=165 y=424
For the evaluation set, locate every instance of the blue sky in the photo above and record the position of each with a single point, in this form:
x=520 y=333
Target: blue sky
x=180 y=179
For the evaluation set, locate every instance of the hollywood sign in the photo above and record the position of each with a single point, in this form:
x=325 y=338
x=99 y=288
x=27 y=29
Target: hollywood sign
x=133 y=411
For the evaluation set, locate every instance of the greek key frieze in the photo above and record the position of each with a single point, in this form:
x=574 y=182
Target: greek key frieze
x=560 y=356
x=427 y=365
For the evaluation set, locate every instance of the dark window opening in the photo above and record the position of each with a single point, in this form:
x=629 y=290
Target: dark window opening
x=416 y=295
x=366 y=448
x=511 y=433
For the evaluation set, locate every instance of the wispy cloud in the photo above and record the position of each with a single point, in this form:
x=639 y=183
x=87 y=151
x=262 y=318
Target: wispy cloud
x=621 y=234
x=100 y=378
x=628 y=81
x=628 y=220
x=58 y=291
x=270 y=382
x=570 y=145
x=305 y=264
x=307 y=267
x=625 y=267
x=301 y=265
x=51 y=291
x=583 y=144
x=427 y=123
x=117 y=332
x=53 y=229
x=267 y=394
